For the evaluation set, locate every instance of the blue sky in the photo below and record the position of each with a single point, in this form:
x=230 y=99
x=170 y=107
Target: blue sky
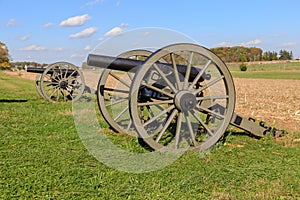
x=50 y=31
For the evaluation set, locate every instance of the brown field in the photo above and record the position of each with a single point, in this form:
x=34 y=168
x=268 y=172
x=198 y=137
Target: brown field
x=277 y=102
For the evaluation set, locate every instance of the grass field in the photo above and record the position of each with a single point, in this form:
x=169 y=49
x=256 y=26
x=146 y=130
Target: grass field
x=294 y=75
x=288 y=70
x=42 y=157
x=267 y=66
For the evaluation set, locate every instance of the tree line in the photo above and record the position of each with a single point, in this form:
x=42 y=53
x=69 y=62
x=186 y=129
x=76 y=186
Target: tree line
x=22 y=65
x=246 y=54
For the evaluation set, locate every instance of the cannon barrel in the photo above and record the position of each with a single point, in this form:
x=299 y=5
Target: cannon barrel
x=109 y=62
x=35 y=70
x=125 y=64
x=41 y=70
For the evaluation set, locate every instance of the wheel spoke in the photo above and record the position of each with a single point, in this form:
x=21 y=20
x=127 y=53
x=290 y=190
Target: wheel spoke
x=65 y=95
x=175 y=71
x=212 y=97
x=60 y=72
x=202 y=123
x=50 y=87
x=178 y=128
x=188 y=70
x=71 y=75
x=165 y=78
x=199 y=75
x=66 y=72
x=71 y=94
x=121 y=113
x=129 y=125
x=116 y=91
x=52 y=77
x=116 y=102
x=150 y=103
x=57 y=94
x=119 y=79
x=47 y=77
x=189 y=124
x=168 y=122
x=150 y=111
x=55 y=77
x=199 y=108
x=209 y=84
x=130 y=77
x=53 y=92
x=159 y=115
x=62 y=69
x=158 y=90
x=53 y=84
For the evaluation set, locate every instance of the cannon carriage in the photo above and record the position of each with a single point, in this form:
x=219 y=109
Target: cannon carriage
x=179 y=97
x=61 y=81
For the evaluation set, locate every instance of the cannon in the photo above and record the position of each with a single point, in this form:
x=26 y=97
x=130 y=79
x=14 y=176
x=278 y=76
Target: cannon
x=60 y=81
x=178 y=97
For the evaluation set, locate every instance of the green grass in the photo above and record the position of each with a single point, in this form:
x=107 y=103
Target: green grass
x=266 y=66
x=42 y=157
x=294 y=75
x=288 y=70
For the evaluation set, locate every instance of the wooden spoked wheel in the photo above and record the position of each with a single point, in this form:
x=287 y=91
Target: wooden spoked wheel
x=62 y=81
x=112 y=93
x=190 y=98
x=38 y=85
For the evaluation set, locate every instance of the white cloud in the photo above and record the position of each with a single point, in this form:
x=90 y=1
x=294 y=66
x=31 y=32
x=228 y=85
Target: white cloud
x=124 y=25
x=77 y=56
x=25 y=37
x=223 y=44
x=91 y=3
x=115 y=31
x=87 y=48
x=75 y=21
x=33 y=48
x=59 y=49
x=48 y=25
x=12 y=22
x=85 y=33
x=252 y=42
x=100 y=39
x=288 y=44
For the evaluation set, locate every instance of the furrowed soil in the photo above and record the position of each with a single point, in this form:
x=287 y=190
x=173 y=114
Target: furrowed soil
x=276 y=102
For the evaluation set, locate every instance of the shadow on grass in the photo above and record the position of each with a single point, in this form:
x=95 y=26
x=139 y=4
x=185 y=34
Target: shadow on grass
x=236 y=133
x=13 y=100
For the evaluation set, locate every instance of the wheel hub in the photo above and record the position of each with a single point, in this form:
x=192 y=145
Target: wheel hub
x=63 y=84
x=185 y=101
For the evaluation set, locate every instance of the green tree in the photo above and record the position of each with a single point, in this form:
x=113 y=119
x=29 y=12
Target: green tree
x=285 y=55
x=4 y=56
x=269 y=56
